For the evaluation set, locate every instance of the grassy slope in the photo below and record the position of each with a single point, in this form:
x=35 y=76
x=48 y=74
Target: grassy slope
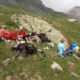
x=68 y=29
x=36 y=66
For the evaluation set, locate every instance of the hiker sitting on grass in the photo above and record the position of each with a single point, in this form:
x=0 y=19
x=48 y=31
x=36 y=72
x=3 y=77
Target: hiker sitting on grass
x=63 y=51
x=7 y=35
x=22 y=35
x=34 y=36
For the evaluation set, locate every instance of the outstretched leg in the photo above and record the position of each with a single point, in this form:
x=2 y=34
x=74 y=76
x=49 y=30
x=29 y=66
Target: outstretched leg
x=17 y=55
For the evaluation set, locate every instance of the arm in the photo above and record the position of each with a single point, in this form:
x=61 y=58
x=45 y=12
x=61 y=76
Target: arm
x=5 y=31
x=64 y=48
x=32 y=35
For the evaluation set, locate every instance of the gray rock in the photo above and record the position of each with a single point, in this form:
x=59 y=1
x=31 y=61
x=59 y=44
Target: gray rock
x=41 y=26
x=56 y=66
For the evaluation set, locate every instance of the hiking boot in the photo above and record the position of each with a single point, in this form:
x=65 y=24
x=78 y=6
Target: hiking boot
x=60 y=55
x=7 y=40
x=13 y=58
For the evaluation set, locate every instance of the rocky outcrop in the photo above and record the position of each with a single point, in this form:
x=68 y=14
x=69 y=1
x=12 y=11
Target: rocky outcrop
x=41 y=26
x=72 y=20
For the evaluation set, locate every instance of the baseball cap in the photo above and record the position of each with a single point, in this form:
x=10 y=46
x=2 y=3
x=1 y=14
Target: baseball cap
x=3 y=26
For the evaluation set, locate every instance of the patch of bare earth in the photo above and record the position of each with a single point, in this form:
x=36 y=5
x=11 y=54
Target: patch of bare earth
x=71 y=65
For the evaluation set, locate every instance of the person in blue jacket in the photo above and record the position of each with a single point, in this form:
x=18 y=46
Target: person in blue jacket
x=63 y=51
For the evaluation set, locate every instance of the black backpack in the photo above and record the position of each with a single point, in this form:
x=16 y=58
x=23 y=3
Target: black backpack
x=43 y=37
x=1 y=38
x=27 y=48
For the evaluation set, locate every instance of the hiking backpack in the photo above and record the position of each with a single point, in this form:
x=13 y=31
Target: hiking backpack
x=73 y=45
x=1 y=38
x=25 y=47
x=43 y=37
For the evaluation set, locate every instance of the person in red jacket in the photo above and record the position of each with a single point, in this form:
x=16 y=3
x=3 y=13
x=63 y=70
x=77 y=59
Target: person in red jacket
x=7 y=35
x=21 y=33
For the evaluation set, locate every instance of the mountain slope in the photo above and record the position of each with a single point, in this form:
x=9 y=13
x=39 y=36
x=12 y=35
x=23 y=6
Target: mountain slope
x=35 y=6
x=75 y=12
x=37 y=67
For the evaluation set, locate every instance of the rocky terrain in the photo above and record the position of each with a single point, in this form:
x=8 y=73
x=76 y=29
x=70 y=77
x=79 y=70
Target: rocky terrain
x=39 y=25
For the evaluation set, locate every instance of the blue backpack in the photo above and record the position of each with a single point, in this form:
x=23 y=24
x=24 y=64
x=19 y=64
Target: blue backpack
x=73 y=45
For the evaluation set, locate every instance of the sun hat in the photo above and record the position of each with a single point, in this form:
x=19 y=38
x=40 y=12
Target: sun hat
x=21 y=27
x=3 y=26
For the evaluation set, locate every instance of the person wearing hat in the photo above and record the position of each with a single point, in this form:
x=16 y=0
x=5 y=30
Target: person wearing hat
x=3 y=30
x=21 y=33
x=5 y=34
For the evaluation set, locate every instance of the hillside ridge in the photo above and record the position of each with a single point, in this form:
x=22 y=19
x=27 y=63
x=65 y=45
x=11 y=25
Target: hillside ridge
x=35 y=6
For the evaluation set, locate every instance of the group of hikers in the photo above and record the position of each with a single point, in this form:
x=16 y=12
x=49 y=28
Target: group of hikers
x=64 y=51
x=23 y=40
x=21 y=35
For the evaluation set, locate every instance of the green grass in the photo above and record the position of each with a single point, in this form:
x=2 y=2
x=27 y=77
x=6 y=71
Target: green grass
x=36 y=66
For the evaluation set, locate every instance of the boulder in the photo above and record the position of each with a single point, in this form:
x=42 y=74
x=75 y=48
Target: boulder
x=56 y=66
x=40 y=26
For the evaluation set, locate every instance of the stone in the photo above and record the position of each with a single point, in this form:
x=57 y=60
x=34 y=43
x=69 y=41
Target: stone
x=40 y=26
x=56 y=66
